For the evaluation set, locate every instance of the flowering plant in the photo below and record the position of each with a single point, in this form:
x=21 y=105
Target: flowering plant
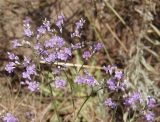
x=52 y=55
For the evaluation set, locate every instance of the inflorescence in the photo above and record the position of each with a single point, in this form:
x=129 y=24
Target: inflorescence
x=52 y=50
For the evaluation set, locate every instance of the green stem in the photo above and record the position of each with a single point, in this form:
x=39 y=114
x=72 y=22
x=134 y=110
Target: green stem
x=55 y=107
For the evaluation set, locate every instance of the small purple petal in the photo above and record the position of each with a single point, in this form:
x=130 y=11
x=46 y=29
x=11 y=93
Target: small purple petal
x=15 y=43
x=90 y=80
x=28 y=32
x=97 y=46
x=26 y=61
x=149 y=116
x=132 y=98
x=47 y=25
x=86 y=55
x=41 y=29
x=60 y=83
x=9 y=67
x=33 y=85
x=110 y=103
x=111 y=84
x=9 y=118
x=151 y=102
x=12 y=56
x=79 y=79
x=59 y=22
x=109 y=69
x=118 y=74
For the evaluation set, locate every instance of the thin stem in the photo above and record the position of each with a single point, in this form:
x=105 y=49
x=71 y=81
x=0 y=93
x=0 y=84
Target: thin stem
x=54 y=103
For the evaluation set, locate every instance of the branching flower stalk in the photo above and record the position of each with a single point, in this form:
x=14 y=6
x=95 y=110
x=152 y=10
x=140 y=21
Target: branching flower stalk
x=52 y=56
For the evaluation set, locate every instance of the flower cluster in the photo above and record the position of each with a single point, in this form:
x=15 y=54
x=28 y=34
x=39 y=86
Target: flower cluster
x=32 y=85
x=59 y=82
x=47 y=51
x=151 y=102
x=131 y=100
x=116 y=81
x=79 y=25
x=15 y=44
x=9 y=118
x=27 y=28
x=110 y=103
x=13 y=61
x=9 y=67
x=86 y=55
x=148 y=115
x=60 y=22
x=53 y=49
x=85 y=79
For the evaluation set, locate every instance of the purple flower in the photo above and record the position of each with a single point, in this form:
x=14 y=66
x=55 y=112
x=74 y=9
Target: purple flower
x=79 y=25
x=118 y=74
x=135 y=96
x=55 y=41
x=30 y=70
x=76 y=33
x=59 y=22
x=149 y=116
x=50 y=43
x=62 y=56
x=41 y=29
x=110 y=103
x=9 y=118
x=109 y=69
x=37 y=47
x=50 y=58
x=59 y=41
x=86 y=55
x=111 y=84
x=132 y=98
x=27 y=31
x=97 y=46
x=15 y=43
x=79 y=79
x=60 y=83
x=67 y=51
x=45 y=52
x=121 y=85
x=26 y=25
x=9 y=67
x=89 y=80
x=47 y=25
x=26 y=75
x=12 y=56
x=26 y=61
x=151 y=102
x=32 y=85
